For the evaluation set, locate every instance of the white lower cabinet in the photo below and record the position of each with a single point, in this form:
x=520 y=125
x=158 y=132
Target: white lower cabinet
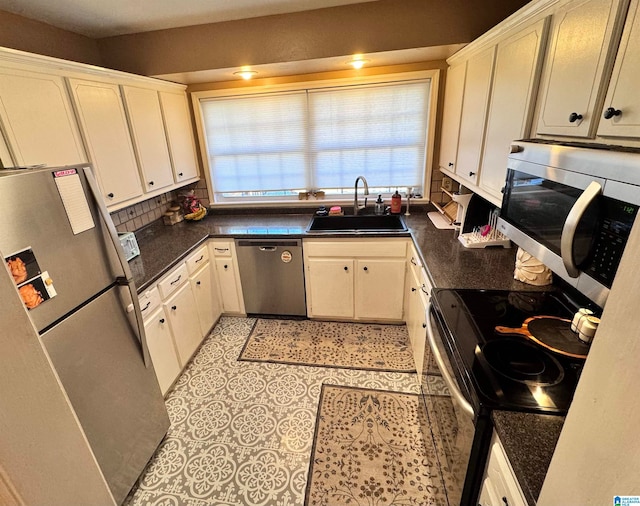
x=182 y=312
x=500 y=486
x=417 y=294
x=330 y=287
x=206 y=297
x=162 y=348
x=355 y=280
x=228 y=276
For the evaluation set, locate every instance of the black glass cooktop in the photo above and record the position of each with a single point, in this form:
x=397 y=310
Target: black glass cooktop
x=505 y=371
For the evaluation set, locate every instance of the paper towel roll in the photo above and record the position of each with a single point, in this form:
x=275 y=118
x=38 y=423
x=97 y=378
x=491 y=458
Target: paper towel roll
x=530 y=270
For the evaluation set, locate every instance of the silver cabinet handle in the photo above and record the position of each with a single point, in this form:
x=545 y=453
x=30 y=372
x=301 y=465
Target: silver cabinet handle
x=571 y=225
x=127 y=280
x=451 y=384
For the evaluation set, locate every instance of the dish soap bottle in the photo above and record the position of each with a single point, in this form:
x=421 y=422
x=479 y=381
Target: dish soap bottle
x=379 y=207
x=396 y=203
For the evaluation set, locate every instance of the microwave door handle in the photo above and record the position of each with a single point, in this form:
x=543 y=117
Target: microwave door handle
x=571 y=226
x=127 y=279
x=451 y=384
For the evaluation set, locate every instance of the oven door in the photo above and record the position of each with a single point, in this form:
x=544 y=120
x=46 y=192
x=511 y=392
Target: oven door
x=460 y=434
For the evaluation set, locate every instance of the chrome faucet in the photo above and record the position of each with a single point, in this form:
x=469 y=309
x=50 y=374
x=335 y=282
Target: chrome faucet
x=356 y=207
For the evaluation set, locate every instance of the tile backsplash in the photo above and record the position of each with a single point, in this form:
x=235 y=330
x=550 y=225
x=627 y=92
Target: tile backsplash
x=141 y=214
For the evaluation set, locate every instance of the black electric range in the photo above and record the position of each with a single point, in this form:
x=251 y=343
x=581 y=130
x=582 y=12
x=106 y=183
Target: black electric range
x=485 y=370
x=507 y=371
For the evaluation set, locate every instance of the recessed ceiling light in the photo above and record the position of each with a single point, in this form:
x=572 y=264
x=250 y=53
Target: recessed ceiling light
x=357 y=62
x=245 y=74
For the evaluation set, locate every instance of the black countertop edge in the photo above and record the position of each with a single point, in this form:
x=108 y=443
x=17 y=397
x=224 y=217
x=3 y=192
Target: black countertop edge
x=529 y=440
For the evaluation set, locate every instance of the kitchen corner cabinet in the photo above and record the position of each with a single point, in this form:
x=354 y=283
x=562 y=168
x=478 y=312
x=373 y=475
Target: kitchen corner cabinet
x=228 y=276
x=500 y=486
x=149 y=141
x=177 y=119
x=621 y=112
x=182 y=312
x=106 y=133
x=475 y=101
x=38 y=120
x=584 y=39
x=355 y=280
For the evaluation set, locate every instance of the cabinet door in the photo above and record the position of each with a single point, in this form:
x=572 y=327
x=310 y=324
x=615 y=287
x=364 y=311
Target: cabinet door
x=106 y=133
x=149 y=140
x=183 y=319
x=475 y=102
x=416 y=324
x=623 y=88
x=330 y=287
x=206 y=298
x=580 y=52
x=515 y=77
x=229 y=289
x=177 y=122
x=451 y=116
x=162 y=349
x=38 y=119
x=379 y=289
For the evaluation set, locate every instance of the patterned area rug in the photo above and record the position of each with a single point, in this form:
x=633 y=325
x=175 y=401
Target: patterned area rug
x=368 y=450
x=330 y=344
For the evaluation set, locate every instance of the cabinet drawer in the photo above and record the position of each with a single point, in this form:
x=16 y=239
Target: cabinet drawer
x=149 y=301
x=173 y=281
x=222 y=248
x=500 y=474
x=360 y=248
x=197 y=259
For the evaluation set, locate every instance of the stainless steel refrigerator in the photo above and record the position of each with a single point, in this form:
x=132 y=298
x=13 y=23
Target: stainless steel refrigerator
x=62 y=250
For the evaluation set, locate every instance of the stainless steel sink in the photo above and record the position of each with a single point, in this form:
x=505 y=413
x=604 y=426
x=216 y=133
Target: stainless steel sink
x=357 y=224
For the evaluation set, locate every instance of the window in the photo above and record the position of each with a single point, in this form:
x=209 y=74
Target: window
x=266 y=146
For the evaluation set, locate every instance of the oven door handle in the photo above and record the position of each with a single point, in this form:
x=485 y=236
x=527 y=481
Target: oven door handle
x=571 y=225
x=451 y=384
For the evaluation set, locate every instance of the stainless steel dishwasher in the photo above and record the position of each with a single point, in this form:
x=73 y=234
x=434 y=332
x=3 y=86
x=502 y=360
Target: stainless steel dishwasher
x=272 y=276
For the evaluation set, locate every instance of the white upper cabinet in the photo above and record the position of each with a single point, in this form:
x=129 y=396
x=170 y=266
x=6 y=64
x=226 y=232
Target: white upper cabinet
x=516 y=72
x=147 y=128
x=580 y=54
x=454 y=89
x=621 y=114
x=106 y=134
x=38 y=120
x=475 y=102
x=177 y=119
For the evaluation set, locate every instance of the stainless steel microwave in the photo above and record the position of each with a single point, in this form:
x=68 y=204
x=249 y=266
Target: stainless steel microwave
x=572 y=207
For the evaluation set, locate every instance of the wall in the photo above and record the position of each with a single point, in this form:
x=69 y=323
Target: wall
x=370 y=27
x=598 y=453
x=27 y=35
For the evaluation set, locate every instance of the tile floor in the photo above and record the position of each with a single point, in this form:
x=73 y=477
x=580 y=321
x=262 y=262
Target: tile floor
x=241 y=432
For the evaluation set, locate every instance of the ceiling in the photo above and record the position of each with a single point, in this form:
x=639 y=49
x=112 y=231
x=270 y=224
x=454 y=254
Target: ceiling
x=105 y=18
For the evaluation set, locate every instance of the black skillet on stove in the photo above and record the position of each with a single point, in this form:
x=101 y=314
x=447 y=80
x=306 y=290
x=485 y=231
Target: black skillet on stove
x=553 y=333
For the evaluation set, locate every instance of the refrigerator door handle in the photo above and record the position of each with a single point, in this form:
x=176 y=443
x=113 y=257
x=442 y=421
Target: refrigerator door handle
x=127 y=279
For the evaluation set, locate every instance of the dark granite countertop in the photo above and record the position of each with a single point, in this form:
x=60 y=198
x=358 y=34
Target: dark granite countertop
x=529 y=441
x=449 y=264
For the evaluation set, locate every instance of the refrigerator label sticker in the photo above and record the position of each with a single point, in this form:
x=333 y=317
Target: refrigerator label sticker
x=34 y=286
x=74 y=200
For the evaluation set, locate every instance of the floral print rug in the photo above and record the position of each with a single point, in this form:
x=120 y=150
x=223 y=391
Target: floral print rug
x=345 y=345
x=369 y=451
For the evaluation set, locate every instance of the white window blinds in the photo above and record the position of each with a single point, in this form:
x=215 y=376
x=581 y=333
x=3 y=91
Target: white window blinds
x=257 y=143
x=318 y=139
x=375 y=131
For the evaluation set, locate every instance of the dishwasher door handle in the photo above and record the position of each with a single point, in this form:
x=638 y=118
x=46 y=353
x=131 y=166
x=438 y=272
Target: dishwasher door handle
x=268 y=248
